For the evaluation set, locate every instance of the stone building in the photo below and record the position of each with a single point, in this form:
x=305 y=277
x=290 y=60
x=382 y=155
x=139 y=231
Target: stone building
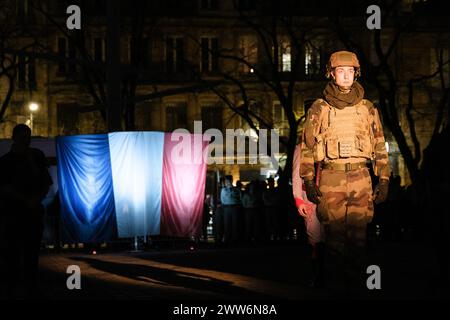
x=176 y=46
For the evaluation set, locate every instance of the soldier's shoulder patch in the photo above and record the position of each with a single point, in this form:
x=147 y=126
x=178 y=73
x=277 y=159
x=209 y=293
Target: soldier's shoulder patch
x=369 y=105
x=318 y=105
x=321 y=102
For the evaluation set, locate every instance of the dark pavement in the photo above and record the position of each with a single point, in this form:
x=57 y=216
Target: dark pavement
x=278 y=271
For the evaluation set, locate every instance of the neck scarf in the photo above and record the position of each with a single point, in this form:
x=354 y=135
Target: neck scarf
x=340 y=100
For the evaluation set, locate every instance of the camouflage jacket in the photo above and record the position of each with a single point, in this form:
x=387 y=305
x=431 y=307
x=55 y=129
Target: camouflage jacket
x=313 y=126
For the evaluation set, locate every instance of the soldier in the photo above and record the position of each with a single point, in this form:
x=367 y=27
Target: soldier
x=343 y=133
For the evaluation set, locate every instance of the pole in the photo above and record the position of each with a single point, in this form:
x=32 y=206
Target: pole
x=31 y=122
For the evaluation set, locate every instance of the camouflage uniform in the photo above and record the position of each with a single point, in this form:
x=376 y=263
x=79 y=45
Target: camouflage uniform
x=345 y=183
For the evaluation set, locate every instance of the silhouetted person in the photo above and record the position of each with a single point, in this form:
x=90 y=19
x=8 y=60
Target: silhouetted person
x=252 y=203
x=230 y=197
x=394 y=206
x=271 y=199
x=239 y=222
x=435 y=181
x=24 y=183
x=239 y=185
x=205 y=217
x=218 y=219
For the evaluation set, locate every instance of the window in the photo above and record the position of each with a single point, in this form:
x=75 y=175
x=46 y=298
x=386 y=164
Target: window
x=312 y=60
x=278 y=113
x=209 y=4
x=21 y=72
x=62 y=49
x=32 y=85
x=144 y=112
x=286 y=59
x=67 y=118
x=284 y=55
x=61 y=5
x=176 y=116
x=97 y=8
x=279 y=119
x=67 y=55
x=209 y=55
x=254 y=108
x=212 y=118
x=174 y=55
x=146 y=52
x=25 y=13
x=435 y=56
x=256 y=112
x=72 y=65
x=22 y=9
x=26 y=72
x=246 y=4
x=140 y=51
x=249 y=51
x=99 y=50
x=144 y=56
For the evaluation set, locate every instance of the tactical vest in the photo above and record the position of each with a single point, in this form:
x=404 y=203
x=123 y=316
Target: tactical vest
x=344 y=133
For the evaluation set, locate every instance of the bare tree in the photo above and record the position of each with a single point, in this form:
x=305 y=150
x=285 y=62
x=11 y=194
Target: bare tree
x=11 y=34
x=384 y=77
x=273 y=65
x=142 y=29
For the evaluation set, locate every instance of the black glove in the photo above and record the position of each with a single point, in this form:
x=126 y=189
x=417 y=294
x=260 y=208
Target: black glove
x=312 y=191
x=381 y=191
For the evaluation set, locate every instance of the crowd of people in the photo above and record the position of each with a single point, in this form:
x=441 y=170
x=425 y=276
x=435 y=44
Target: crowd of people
x=251 y=213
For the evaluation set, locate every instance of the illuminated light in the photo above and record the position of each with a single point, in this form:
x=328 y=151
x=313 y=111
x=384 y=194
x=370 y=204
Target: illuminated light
x=94 y=252
x=33 y=106
x=387 y=146
x=252 y=70
x=286 y=61
x=378 y=230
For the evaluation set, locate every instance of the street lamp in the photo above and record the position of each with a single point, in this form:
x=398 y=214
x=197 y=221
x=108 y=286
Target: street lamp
x=33 y=106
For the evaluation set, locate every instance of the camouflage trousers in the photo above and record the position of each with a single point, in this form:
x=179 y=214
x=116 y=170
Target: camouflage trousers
x=345 y=209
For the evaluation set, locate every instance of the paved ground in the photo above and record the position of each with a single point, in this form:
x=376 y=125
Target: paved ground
x=270 y=273
x=267 y=272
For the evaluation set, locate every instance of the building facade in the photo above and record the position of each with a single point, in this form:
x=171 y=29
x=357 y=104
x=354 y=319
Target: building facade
x=176 y=55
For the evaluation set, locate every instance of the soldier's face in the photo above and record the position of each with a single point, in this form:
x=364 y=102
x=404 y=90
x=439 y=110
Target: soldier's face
x=344 y=76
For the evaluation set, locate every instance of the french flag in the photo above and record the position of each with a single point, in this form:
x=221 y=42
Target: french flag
x=127 y=184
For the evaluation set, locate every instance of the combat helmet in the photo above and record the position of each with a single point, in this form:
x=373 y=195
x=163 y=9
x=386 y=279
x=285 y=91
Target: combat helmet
x=343 y=59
